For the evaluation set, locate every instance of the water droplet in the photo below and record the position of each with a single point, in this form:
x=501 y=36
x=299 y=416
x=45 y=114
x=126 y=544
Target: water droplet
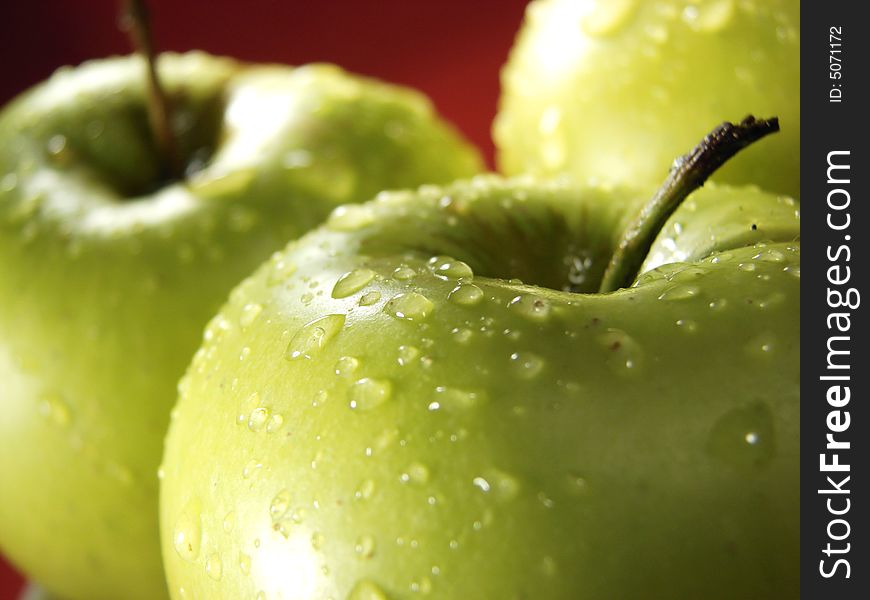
x=499 y=484
x=463 y=336
x=747 y=267
x=280 y=505
x=53 y=408
x=245 y=353
x=526 y=365
x=531 y=307
x=187 y=535
x=313 y=336
x=258 y=419
x=281 y=271
x=275 y=423
x=455 y=399
x=368 y=393
x=350 y=217
x=744 y=437
x=352 y=282
x=687 y=325
x=250 y=312
x=680 y=292
x=365 y=546
x=623 y=354
x=445 y=267
x=367 y=590
x=576 y=485
x=465 y=294
x=369 y=298
x=709 y=16
x=762 y=346
x=410 y=306
x=214 y=567
x=229 y=522
x=346 y=366
x=251 y=468
x=365 y=490
x=607 y=17
x=244 y=564
x=407 y=354
x=416 y=473
x=404 y=273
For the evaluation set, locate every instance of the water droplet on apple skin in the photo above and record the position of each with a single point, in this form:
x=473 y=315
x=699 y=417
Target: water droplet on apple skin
x=352 y=282
x=369 y=393
x=744 y=437
x=410 y=306
x=314 y=336
x=187 y=533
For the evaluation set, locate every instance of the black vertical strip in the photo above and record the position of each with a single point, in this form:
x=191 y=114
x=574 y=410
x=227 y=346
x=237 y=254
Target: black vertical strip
x=835 y=369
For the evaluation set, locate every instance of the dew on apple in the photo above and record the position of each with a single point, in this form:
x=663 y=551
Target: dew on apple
x=313 y=336
x=229 y=522
x=364 y=490
x=687 y=325
x=187 y=535
x=407 y=354
x=352 y=282
x=350 y=217
x=404 y=273
x=280 y=504
x=251 y=468
x=526 y=365
x=244 y=564
x=367 y=590
x=276 y=421
x=369 y=393
x=410 y=306
x=416 y=473
x=370 y=298
x=454 y=399
x=530 y=306
x=744 y=437
x=446 y=267
x=258 y=419
x=54 y=409
x=346 y=366
x=680 y=292
x=465 y=294
x=365 y=546
x=281 y=270
x=623 y=353
x=214 y=567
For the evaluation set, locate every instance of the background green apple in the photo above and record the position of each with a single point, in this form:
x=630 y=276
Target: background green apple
x=401 y=416
x=614 y=89
x=108 y=275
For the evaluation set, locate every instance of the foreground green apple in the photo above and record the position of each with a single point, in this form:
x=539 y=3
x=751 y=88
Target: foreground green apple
x=615 y=89
x=108 y=275
x=402 y=415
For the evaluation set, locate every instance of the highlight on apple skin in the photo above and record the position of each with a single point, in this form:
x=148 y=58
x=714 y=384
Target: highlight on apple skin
x=108 y=273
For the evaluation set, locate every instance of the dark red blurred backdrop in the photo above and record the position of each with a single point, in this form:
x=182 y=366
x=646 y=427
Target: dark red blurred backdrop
x=450 y=49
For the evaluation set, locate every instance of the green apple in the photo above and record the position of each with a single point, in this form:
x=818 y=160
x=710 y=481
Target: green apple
x=109 y=274
x=612 y=90
x=438 y=400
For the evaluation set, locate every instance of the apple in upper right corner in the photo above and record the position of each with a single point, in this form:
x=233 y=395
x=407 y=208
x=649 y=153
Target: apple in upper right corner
x=614 y=89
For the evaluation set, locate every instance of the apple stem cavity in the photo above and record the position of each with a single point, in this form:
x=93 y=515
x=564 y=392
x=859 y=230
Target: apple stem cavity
x=688 y=173
x=135 y=21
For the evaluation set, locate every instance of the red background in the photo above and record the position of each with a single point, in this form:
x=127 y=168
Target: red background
x=450 y=49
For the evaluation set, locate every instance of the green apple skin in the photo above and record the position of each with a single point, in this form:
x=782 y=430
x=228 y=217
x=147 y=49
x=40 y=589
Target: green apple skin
x=107 y=278
x=613 y=90
x=389 y=421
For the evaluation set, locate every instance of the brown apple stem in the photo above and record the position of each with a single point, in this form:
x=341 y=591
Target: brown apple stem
x=688 y=173
x=135 y=20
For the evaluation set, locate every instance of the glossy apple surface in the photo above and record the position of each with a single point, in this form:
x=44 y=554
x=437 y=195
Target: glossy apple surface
x=613 y=90
x=401 y=416
x=108 y=275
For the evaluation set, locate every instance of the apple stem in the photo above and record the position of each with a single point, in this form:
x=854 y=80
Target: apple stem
x=135 y=20
x=688 y=173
